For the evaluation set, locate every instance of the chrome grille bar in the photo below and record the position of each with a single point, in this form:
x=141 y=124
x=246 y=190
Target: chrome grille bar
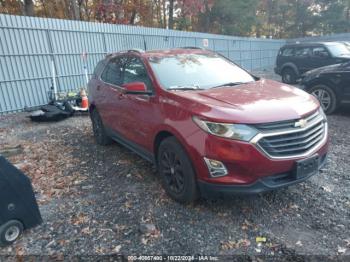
x=294 y=141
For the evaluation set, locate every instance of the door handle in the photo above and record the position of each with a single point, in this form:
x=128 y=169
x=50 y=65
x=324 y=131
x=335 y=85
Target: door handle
x=98 y=88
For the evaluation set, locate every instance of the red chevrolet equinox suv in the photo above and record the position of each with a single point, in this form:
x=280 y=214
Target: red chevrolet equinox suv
x=209 y=126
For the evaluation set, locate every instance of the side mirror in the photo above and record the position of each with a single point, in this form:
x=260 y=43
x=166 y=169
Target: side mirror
x=135 y=88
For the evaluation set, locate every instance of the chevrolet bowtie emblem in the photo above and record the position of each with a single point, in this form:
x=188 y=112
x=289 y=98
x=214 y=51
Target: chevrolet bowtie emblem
x=301 y=123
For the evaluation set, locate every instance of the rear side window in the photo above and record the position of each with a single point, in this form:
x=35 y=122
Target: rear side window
x=320 y=51
x=287 y=52
x=99 y=67
x=303 y=52
x=112 y=74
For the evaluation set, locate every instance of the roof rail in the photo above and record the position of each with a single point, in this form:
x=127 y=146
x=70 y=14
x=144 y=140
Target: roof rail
x=109 y=55
x=191 y=47
x=137 y=50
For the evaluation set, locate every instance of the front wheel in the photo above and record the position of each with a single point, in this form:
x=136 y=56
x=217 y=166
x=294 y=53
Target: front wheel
x=10 y=232
x=176 y=171
x=326 y=97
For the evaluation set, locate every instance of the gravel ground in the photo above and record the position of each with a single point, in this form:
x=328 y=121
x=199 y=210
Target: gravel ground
x=106 y=200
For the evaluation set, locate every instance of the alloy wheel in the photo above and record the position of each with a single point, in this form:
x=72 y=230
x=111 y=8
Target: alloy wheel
x=324 y=97
x=172 y=171
x=12 y=233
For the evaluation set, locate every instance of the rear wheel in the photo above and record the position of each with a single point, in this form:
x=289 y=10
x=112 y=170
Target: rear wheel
x=289 y=76
x=326 y=97
x=10 y=232
x=99 y=130
x=176 y=172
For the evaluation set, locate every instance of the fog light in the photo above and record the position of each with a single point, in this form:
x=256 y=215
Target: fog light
x=216 y=168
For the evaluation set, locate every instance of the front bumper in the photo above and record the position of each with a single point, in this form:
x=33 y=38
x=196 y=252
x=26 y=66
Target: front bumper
x=261 y=185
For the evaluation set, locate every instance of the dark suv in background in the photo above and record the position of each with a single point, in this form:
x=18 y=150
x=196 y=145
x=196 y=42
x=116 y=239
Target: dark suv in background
x=295 y=59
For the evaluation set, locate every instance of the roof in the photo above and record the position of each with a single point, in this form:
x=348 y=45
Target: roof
x=164 y=52
x=310 y=44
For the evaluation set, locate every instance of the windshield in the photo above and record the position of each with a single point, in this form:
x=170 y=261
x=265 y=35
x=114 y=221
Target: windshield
x=338 y=49
x=200 y=71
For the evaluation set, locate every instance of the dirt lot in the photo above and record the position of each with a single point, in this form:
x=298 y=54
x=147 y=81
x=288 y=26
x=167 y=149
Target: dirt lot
x=107 y=200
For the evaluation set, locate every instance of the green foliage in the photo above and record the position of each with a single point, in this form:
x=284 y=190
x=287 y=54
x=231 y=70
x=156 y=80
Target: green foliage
x=260 y=18
x=234 y=17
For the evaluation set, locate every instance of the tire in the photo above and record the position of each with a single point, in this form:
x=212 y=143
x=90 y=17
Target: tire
x=326 y=97
x=176 y=172
x=289 y=76
x=98 y=128
x=10 y=232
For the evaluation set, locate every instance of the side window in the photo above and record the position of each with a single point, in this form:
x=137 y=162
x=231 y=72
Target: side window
x=288 y=52
x=319 y=52
x=303 y=52
x=99 y=67
x=347 y=66
x=113 y=72
x=135 y=71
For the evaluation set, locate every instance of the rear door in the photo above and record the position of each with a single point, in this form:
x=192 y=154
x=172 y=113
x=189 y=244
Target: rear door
x=302 y=58
x=111 y=92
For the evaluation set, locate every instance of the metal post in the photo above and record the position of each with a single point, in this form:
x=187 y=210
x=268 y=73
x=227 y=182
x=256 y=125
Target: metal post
x=104 y=43
x=53 y=64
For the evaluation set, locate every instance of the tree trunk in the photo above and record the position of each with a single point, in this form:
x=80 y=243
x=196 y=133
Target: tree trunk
x=133 y=16
x=75 y=10
x=28 y=8
x=171 y=14
x=164 y=13
x=206 y=18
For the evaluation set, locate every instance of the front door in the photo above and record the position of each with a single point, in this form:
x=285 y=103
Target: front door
x=320 y=57
x=345 y=82
x=140 y=114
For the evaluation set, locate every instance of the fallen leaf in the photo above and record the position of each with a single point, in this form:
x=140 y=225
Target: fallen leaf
x=260 y=239
x=327 y=189
x=228 y=245
x=117 y=248
x=341 y=250
x=347 y=241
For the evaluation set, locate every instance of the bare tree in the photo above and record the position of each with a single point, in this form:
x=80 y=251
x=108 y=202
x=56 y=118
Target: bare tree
x=28 y=8
x=171 y=14
x=75 y=10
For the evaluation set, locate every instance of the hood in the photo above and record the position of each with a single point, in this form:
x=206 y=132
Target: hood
x=324 y=69
x=345 y=57
x=262 y=101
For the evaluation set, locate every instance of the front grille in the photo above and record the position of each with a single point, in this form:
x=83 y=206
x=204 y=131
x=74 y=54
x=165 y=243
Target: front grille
x=278 y=126
x=293 y=141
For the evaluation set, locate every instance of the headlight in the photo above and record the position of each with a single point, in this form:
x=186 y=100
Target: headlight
x=232 y=131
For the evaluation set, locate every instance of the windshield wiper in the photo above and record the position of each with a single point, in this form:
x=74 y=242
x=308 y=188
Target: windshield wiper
x=230 y=84
x=185 y=88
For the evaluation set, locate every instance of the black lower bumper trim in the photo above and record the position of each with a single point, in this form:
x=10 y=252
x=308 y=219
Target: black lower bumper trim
x=262 y=185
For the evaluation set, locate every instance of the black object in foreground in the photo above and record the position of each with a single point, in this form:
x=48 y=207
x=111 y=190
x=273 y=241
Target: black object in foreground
x=52 y=113
x=18 y=207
